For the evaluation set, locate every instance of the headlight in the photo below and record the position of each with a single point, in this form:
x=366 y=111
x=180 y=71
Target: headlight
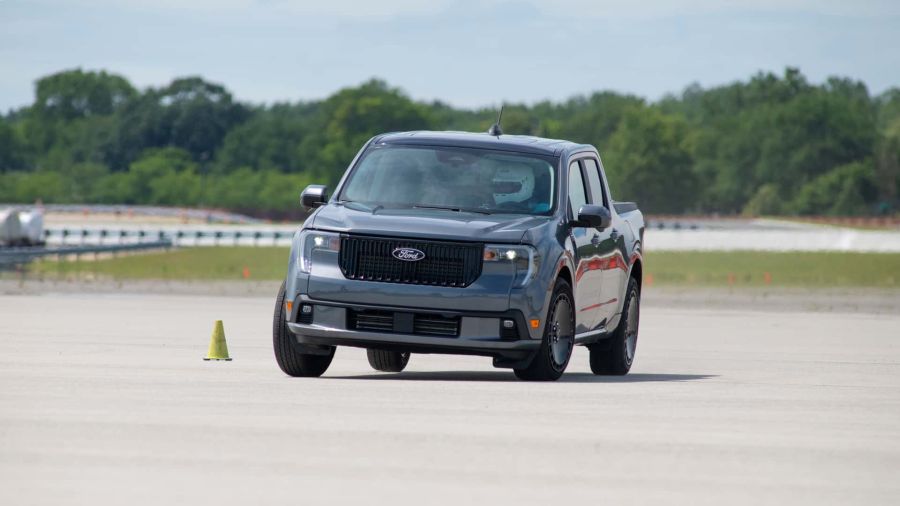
x=312 y=240
x=525 y=259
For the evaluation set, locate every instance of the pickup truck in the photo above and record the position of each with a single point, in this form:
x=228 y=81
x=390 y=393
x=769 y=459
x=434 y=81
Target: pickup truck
x=503 y=246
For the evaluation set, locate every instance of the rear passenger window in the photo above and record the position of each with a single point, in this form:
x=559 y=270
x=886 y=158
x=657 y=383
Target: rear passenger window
x=598 y=196
x=577 y=193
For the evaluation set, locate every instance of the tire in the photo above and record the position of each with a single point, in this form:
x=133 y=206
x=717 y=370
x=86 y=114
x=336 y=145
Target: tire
x=614 y=356
x=388 y=361
x=559 y=338
x=291 y=361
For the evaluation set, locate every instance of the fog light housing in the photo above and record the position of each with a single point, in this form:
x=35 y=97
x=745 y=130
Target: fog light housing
x=305 y=315
x=508 y=330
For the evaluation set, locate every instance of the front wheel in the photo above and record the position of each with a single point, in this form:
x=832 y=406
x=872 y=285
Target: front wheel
x=559 y=338
x=290 y=360
x=615 y=355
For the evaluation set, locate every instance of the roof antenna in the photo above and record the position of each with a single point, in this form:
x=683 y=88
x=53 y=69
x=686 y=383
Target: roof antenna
x=495 y=129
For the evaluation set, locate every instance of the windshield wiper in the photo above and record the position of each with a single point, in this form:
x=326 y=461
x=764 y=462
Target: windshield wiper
x=453 y=208
x=364 y=207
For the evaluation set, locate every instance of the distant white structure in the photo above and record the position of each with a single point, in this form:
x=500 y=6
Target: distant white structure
x=801 y=239
x=21 y=228
x=10 y=227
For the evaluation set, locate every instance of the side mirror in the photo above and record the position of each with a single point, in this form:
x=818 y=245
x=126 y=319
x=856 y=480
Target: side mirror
x=594 y=216
x=313 y=196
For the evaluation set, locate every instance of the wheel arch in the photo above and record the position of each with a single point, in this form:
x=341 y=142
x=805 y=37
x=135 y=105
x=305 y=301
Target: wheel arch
x=565 y=273
x=637 y=272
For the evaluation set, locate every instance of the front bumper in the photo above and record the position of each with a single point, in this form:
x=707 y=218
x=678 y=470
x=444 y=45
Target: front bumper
x=479 y=333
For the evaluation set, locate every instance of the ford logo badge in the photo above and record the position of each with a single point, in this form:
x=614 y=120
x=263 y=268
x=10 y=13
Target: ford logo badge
x=408 y=254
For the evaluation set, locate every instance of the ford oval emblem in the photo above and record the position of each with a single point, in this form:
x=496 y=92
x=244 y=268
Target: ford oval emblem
x=408 y=254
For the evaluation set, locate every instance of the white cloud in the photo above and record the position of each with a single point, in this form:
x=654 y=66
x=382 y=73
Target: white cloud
x=335 y=8
x=653 y=8
x=563 y=8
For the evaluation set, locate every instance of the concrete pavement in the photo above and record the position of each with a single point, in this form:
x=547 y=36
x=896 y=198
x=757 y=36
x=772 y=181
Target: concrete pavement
x=104 y=399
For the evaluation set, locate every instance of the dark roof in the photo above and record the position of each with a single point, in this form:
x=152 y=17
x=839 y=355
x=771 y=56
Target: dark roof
x=517 y=143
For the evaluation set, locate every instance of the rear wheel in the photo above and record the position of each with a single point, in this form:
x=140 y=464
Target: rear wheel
x=387 y=361
x=559 y=338
x=290 y=360
x=615 y=355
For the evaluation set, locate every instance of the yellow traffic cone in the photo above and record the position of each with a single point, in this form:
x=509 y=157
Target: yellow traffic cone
x=218 y=349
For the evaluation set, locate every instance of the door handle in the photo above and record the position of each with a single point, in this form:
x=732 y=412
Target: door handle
x=595 y=240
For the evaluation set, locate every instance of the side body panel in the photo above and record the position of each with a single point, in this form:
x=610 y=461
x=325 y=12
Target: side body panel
x=617 y=248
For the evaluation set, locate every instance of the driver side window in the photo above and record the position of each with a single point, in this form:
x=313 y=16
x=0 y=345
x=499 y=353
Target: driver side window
x=577 y=192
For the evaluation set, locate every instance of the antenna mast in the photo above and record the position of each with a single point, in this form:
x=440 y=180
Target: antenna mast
x=495 y=128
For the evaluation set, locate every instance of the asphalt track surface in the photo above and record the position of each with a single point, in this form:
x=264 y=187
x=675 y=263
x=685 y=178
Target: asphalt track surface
x=104 y=399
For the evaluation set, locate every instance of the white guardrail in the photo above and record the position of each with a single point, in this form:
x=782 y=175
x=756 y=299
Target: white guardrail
x=16 y=256
x=704 y=239
x=178 y=235
x=663 y=233
x=129 y=211
x=818 y=239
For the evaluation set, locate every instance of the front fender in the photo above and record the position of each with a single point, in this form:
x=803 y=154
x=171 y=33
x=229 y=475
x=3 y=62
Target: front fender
x=636 y=257
x=566 y=261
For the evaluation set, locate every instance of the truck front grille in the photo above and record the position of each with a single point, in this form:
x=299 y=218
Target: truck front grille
x=445 y=263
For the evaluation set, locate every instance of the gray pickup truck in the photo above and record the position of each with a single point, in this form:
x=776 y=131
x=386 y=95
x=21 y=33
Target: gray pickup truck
x=464 y=243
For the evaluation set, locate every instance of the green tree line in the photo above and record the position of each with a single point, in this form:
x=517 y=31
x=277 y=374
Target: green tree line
x=770 y=145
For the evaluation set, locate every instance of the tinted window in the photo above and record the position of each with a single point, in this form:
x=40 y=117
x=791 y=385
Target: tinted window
x=593 y=175
x=577 y=193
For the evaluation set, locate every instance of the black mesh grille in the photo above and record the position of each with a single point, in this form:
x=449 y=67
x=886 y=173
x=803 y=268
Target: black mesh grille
x=379 y=321
x=436 y=325
x=386 y=321
x=445 y=263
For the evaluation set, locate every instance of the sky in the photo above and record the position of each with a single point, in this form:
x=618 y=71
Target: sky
x=468 y=53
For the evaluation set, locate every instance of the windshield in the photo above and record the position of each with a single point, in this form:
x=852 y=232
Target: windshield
x=459 y=179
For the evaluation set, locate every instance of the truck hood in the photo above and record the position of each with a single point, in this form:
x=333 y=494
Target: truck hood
x=426 y=223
